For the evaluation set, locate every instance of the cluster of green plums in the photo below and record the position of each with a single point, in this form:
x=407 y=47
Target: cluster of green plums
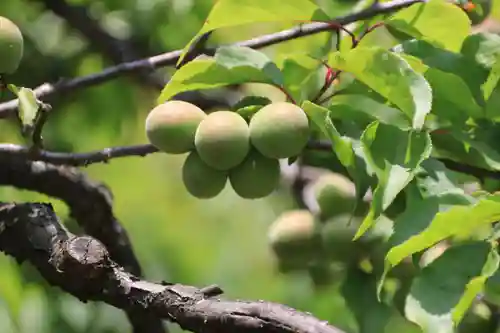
x=11 y=46
x=302 y=240
x=224 y=145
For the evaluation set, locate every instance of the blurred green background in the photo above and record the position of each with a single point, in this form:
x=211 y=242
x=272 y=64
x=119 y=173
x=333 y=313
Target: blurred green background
x=177 y=238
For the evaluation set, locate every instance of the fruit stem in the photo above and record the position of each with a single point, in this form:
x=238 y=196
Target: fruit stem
x=335 y=75
x=331 y=75
x=370 y=29
x=329 y=78
x=287 y=94
x=336 y=26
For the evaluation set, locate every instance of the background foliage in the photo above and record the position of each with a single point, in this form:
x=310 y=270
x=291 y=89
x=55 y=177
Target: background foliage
x=176 y=237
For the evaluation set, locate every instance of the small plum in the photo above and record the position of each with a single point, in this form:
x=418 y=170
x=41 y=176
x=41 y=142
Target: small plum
x=222 y=140
x=293 y=236
x=171 y=126
x=335 y=194
x=256 y=177
x=11 y=46
x=200 y=180
x=279 y=130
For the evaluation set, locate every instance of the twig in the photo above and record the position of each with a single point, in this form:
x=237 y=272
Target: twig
x=330 y=77
x=289 y=97
x=16 y=152
x=333 y=93
x=90 y=204
x=82 y=267
x=45 y=91
x=339 y=27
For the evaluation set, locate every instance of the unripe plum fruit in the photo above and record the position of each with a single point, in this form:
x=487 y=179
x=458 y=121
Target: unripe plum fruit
x=201 y=180
x=335 y=194
x=11 y=46
x=256 y=177
x=279 y=130
x=171 y=126
x=222 y=140
x=293 y=236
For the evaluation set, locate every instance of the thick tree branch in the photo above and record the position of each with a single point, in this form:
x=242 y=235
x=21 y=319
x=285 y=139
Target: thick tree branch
x=82 y=266
x=90 y=204
x=47 y=90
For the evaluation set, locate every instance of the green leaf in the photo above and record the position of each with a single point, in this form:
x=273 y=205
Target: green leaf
x=251 y=101
x=452 y=98
x=359 y=292
x=490 y=86
x=479 y=151
x=452 y=146
x=476 y=285
x=471 y=72
x=395 y=156
x=434 y=180
x=344 y=147
x=227 y=13
x=435 y=189
x=390 y=76
x=436 y=21
x=446 y=287
x=249 y=105
x=239 y=57
x=483 y=48
x=492 y=108
x=231 y=65
x=28 y=107
x=360 y=108
x=303 y=75
x=437 y=223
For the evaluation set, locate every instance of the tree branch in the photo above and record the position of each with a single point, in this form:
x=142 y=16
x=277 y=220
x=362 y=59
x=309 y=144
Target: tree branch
x=47 y=90
x=90 y=204
x=82 y=266
x=12 y=151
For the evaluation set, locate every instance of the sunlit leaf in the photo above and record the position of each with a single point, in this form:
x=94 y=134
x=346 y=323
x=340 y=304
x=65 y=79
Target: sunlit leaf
x=227 y=13
x=440 y=222
x=344 y=147
x=395 y=155
x=231 y=65
x=446 y=287
x=471 y=73
x=390 y=76
x=303 y=75
x=364 y=109
x=439 y=22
